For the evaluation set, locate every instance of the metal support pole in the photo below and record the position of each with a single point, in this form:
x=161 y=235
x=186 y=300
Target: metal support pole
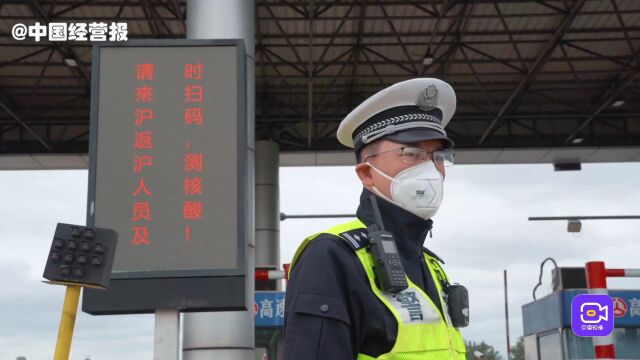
x=506 y=315
x=267 y=205
x=597 y=284
x=226 y=335
x=268 y=226
x=167 y=334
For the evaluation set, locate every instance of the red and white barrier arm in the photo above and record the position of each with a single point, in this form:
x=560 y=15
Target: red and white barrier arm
x=623 y=272
x=264 y=275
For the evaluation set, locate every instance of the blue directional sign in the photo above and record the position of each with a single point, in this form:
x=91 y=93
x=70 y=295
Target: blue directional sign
x=554 y=310
x=626 y=306
x=268 y=308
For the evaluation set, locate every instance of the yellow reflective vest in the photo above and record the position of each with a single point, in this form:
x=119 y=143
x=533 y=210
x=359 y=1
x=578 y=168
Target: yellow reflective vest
x=423 y=333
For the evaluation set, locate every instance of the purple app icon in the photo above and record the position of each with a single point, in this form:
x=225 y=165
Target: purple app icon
x=592 y=315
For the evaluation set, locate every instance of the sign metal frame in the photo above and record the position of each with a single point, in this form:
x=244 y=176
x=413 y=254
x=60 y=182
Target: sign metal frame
x=189 y=289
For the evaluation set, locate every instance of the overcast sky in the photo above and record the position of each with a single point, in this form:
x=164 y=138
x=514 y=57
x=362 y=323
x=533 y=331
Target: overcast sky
x=481 y=229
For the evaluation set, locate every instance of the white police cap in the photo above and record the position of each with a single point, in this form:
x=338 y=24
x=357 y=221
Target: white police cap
x=409 y=111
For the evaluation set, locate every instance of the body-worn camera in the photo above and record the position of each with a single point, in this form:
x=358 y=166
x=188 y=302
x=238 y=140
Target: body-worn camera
x=458 y=304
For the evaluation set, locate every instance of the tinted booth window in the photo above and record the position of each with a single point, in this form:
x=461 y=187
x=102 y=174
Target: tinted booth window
x=627 y=342
x=550 y=346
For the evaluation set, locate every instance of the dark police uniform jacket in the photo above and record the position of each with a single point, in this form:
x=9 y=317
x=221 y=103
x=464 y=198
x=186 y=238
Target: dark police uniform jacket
x=331 y=311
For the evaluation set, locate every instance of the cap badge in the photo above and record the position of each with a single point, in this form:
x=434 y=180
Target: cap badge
x=428 y=98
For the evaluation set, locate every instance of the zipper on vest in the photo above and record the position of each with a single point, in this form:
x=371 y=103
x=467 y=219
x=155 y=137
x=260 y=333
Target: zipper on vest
x=444 y=307
x=425 y=267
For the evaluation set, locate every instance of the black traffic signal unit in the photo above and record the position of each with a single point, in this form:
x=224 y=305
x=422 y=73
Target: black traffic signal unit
x=81 y=255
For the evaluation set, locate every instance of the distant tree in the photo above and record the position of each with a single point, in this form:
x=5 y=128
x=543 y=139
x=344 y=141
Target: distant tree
x=517 y=351
x=489 y=352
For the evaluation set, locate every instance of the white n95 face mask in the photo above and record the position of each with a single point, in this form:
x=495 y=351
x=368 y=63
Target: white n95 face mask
x=417 y=189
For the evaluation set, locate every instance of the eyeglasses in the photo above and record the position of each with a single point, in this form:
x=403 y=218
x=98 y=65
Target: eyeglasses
x=412 y=155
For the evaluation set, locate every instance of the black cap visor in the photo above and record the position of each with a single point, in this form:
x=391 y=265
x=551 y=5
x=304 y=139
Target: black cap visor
x=416 y=135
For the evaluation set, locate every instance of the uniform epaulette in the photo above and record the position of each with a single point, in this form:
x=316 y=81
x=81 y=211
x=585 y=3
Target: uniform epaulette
x=432 y=254
x=356 y=238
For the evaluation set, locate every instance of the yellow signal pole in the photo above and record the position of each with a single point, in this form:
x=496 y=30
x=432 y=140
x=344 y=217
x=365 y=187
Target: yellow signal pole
x=67 y=322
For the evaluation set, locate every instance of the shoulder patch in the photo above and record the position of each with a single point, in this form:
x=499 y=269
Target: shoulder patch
x=356 y=238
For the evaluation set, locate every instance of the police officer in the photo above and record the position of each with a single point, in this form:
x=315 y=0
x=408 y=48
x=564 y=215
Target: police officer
x=337 y=305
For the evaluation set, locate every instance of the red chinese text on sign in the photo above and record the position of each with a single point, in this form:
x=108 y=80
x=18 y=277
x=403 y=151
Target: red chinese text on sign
x=193 y=116
x=193 y=93
x=142 y=115
x=140 y=235
x=192 y=210
x=140 y=161
x=144 y=71
x=193 y=162
x=142 y=187
x=192 y=186
x=143 y=140
x=144 y=94
x=141 y=211
x=193 y=71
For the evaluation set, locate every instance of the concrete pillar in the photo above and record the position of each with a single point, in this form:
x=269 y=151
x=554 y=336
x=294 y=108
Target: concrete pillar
x=226 y=335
